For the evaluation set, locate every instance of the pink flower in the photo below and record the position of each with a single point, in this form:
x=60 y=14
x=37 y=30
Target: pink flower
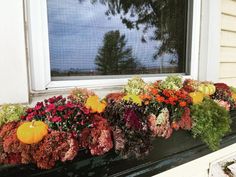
x=51 y=100
x=66 y=116
x=119 y=139
x=85 y=110
x=70 y=112
x=30 y=116
x=38 y=106
x=70 y=105
x=56 y=119
x=223 y=104
x=61 y=108
x=152 y=124
x=58 y=98
x=50 y=107
x=29 y=110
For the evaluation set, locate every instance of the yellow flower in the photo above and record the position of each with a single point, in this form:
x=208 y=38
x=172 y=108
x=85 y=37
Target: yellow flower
x=197 y=97
x=234 y=96
x=133 y=98
x=101 y=107
x=95 y=105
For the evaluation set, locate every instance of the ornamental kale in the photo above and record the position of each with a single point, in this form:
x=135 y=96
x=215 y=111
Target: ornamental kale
x=129 y=127
x=172 y=83
x=135 y=86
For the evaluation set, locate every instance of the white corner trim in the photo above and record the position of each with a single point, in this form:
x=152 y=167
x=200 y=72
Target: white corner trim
x=196 y=24
x=38 y=44
x=210 y=40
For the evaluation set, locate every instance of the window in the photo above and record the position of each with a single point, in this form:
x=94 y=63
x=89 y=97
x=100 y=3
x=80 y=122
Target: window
x=105 y=42
x=88 y=38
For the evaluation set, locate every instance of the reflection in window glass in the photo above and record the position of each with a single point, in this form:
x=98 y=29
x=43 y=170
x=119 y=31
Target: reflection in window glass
x=115 y=37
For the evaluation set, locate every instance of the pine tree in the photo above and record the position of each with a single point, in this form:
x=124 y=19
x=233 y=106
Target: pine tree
x=114 y=57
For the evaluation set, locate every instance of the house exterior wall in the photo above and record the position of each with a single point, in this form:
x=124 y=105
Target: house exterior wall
x=13 y=68
x=13 y=62
x=228 y=42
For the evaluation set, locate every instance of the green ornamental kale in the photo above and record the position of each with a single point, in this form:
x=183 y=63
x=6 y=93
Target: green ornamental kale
x=173 y=82
x=135 y=86
x=10 y=112
x=210 y=123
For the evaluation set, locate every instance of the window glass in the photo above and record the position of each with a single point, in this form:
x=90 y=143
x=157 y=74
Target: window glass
x=116 y=37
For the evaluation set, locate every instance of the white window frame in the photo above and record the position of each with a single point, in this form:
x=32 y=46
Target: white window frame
x=38 y=45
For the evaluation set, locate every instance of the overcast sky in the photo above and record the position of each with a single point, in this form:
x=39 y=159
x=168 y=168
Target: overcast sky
x=76 y=32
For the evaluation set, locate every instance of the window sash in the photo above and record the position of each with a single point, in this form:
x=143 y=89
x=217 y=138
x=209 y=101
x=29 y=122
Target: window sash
x=38 y=41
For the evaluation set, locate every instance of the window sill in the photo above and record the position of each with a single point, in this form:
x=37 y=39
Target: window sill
x=39 y=96
x=166 y=154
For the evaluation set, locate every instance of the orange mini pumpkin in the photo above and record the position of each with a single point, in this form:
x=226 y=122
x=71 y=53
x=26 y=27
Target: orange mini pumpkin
x=32 y=132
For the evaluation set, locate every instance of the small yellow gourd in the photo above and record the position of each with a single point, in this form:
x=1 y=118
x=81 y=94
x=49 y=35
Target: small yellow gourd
x=32 y=132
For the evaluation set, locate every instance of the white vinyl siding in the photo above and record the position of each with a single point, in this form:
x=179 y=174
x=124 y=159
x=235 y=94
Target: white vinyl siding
x=228 y=42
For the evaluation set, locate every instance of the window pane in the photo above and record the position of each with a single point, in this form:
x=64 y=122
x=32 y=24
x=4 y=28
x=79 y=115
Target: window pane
x=117 y=37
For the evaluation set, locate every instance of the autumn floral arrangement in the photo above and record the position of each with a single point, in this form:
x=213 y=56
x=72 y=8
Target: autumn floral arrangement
x=58 y=128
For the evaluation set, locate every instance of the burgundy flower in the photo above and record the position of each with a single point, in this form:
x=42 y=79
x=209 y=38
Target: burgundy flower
x=74 y=134
x=222 y=86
